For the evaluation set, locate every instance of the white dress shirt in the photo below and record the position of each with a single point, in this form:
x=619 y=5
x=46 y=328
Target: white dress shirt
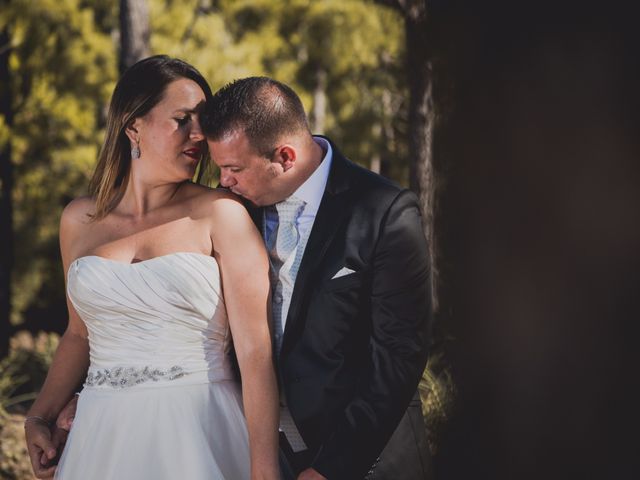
x=311 y=192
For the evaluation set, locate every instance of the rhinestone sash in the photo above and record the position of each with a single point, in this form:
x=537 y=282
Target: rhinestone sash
x=123 y=377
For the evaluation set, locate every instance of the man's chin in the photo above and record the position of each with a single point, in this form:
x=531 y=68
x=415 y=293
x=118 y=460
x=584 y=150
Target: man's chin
x=251 y=202
x=244 y=198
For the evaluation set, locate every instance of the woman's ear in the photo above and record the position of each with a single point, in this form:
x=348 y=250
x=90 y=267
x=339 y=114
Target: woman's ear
x=133 y=131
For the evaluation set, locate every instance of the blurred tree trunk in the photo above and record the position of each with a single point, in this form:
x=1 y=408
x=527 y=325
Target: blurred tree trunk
x=134 y=32
x=388 y=134
x=375 y=164
x=6 y=188
x=421 y=118
x=319 y=111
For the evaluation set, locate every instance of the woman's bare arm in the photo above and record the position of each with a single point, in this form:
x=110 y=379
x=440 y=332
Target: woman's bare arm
x=245 y=277
x=67 y=370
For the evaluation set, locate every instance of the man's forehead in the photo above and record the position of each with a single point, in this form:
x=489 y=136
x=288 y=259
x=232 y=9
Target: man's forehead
x=225 y=155
x=233 y=148
x=234 y=142
x=233 y=135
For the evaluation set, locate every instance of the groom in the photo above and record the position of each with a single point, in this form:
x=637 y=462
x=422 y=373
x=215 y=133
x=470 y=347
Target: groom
x=350 y=280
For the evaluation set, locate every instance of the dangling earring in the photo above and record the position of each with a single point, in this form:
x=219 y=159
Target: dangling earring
x=135 y=152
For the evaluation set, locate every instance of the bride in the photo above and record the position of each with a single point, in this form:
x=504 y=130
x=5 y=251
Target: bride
x=161 y=274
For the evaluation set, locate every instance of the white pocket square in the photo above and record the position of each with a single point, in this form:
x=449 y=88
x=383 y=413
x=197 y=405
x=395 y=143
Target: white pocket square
x=342 y=272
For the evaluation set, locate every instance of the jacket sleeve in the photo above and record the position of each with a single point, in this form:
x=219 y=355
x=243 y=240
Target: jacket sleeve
x=400 y=323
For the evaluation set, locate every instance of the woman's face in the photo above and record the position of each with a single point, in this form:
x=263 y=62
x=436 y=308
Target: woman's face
x=171 y=141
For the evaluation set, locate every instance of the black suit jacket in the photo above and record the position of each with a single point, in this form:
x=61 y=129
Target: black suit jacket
x=355 y=347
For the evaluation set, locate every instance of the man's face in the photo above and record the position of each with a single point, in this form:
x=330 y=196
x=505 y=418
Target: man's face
x=244 y=171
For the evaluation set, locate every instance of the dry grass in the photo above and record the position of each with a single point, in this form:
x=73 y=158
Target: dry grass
x=21 y=374
x=437 y=392
x=14 y=461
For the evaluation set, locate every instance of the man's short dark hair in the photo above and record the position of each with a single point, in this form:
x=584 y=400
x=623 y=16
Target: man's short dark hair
x=263 y=108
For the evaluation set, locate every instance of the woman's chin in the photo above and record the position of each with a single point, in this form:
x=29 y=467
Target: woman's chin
x=190 y=171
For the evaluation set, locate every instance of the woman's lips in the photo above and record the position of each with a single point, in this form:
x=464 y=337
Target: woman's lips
x=193 y=153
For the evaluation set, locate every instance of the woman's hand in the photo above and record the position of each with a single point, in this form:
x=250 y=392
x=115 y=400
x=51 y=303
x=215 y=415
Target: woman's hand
x=43 y=446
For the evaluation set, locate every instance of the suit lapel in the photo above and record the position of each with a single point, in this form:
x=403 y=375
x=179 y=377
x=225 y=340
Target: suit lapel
x=256 y=214
x=333 y=209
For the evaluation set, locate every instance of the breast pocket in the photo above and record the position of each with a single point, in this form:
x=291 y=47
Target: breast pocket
x=345 y=282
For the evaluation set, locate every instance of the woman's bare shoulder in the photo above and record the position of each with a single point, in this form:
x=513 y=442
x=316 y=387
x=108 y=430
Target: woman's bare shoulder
x=78 y=211
x=212 y=201
x=75 y=225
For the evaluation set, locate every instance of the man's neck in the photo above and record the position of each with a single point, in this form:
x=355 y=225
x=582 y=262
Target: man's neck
x=309 y=160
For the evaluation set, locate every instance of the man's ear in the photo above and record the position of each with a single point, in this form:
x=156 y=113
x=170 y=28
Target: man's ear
x=133 y=131
x=286 y=155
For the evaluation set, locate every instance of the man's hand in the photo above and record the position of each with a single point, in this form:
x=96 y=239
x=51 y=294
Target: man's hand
x=310 y=474
x=67 y=414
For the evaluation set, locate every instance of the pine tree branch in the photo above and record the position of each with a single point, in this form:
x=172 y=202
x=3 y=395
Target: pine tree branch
x=398 y=5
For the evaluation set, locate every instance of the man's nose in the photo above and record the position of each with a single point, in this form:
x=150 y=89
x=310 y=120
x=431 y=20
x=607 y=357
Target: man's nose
x=226 y=180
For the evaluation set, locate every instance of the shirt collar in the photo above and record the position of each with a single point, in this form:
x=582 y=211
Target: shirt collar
x=312 y=190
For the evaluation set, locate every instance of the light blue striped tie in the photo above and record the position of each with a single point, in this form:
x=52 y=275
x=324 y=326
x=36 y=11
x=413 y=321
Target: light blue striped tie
x=283 y=245
x=282 y=252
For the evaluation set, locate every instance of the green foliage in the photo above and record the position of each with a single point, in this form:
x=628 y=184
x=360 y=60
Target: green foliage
x=357 y=44
x=10 y=380
x=64 y=68
x=63 y=71
x=24 y=369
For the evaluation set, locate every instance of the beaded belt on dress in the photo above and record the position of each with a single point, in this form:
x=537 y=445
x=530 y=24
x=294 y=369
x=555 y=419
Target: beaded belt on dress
x=123 y=377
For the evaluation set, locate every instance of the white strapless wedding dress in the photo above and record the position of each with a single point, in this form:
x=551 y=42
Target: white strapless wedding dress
x=160 y=400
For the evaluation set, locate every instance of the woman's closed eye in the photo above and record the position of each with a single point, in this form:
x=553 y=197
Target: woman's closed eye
x=182 y=121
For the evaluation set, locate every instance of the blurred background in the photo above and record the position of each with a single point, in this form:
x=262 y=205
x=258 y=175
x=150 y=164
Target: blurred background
x=516 y=123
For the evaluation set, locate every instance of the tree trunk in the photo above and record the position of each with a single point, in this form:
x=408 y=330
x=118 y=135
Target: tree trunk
x=421 y=122
x=383 y=132
x=436 y=387
x=421 y=118
x=134 y=32
x=375 y=164
x=318 y=114
x=388 y=134
x=6 y=188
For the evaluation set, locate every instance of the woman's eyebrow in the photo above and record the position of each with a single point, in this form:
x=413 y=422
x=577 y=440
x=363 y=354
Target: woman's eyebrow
x=197 y=109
